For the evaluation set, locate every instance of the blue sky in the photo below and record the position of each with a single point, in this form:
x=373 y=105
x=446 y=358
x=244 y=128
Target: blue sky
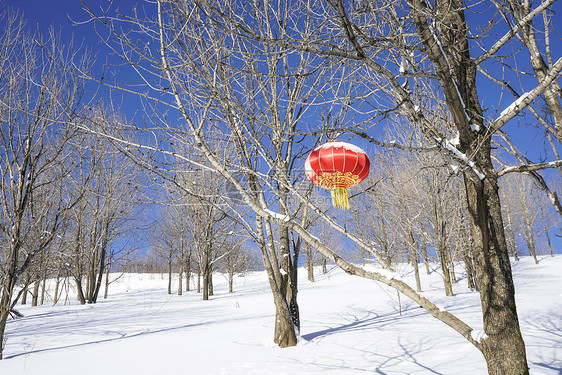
x=43 y=14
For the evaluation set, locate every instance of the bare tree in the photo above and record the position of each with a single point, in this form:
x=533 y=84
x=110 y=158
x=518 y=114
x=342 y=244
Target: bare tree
x=108 y=186
x=38 y=100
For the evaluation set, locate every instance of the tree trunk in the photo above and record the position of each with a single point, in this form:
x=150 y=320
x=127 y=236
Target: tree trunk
x=3 y=320
x=6 y=299
x=469 y=271
x=452 y=268
x=426 y=260
x=530 y=238
x=206 y=283
x=57 y=286
x=188 y=277
x=180 y=281
x=511 y=238
x=548 y=238
x=413 y=254
x=310 y=263
x=417 y=273
x=43 y=287
x=532 y=249
x=230 y=282
x=106 y=291
x=88 y=283
x=80 y=292
x=446 y=272
x=503 y=349
x=24 y=296
x=285 y=335
x=170 y=275
x=545 y=229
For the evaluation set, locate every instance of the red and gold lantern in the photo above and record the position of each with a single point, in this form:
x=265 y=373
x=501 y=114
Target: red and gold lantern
x=337 y=166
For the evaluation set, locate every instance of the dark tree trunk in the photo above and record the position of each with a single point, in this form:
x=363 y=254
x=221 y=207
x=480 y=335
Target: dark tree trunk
x=187 y=276
x=80 y=292
x=446 y=272
x=285 y=335
x=469 y=271
x=293 y=287
x=503 y=348
x=24 y=296
x=206 y=284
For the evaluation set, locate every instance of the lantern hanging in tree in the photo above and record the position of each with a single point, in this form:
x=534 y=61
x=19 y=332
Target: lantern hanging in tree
x=337 y=166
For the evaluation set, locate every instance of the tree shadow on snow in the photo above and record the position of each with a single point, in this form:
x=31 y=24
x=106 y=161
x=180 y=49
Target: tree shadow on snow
x=122 y=336
x=382 y=364
x=359 y=323
x=546 y=333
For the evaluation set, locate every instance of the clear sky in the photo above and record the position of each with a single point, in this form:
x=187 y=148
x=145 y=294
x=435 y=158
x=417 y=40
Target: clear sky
x=41 y=14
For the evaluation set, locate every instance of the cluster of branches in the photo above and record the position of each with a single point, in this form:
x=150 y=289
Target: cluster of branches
x=414 y=210
x=199 y=234
x=67 y=194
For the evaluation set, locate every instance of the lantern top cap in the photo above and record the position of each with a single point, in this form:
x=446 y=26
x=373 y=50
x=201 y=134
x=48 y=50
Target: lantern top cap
x=339 y=144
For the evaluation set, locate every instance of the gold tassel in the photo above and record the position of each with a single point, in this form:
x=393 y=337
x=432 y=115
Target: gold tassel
x=340 y=198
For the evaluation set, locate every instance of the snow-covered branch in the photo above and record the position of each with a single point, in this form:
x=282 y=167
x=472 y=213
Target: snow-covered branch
x=530 y=167
x=512 y=31
x=524 y=100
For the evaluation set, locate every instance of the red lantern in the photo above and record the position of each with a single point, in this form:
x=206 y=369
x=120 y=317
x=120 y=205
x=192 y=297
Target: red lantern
x=337 y=166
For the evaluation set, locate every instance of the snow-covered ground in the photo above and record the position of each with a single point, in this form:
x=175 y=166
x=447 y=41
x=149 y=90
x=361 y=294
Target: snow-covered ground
x=349 y=326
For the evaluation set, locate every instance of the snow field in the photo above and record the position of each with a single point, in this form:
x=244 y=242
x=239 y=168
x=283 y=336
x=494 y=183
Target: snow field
x=349 y=326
